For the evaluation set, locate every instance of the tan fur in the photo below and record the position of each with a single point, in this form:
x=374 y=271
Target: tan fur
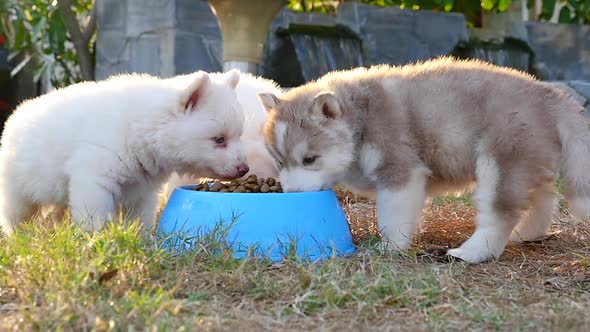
x=441 y=116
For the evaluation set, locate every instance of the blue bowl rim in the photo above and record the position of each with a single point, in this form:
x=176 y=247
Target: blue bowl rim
x=188 y=188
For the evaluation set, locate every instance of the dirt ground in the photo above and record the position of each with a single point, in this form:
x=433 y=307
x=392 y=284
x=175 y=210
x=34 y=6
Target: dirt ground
x=565 y=254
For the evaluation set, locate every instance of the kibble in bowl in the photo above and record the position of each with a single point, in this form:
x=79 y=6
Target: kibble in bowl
x=260 y=222
x=251 y=184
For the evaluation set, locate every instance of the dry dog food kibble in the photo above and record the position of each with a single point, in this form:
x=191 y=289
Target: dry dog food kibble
x=251 y=184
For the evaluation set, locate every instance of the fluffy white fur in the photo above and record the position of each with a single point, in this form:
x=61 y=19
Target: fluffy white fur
x=491 y=236
x=399 y=211
x=105 y=147
x=259 y=160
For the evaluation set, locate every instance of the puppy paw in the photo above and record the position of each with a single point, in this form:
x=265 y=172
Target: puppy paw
x=388 y=246
x=471 y=255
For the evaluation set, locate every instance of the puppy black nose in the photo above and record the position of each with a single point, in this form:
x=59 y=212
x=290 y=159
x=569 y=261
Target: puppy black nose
x=243 y=169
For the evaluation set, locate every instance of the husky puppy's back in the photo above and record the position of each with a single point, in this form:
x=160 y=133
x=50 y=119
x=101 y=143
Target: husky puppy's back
x=432 y=127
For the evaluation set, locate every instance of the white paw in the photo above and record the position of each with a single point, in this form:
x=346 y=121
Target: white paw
x=471 y=255
x=393 y=246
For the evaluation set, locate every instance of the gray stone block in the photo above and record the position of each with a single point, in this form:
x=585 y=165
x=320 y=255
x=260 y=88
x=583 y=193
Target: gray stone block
x=112 y=54
x=397 y=36
x=562 y=51
x=303 y=46
x=386 y=35
x=196 y=51
x=582 y=87
x=160 y=37
x=196 y=16
x=110 y=14
x=112 y=46
x=149 y=16
x=145 y=55
x=563 y=85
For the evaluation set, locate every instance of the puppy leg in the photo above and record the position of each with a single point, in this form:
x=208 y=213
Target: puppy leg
x=500 y=202
x=91 y=203
x=535 y=225
x=15 y=210
x=15 y=207
x=142 y=205
x=399 y=210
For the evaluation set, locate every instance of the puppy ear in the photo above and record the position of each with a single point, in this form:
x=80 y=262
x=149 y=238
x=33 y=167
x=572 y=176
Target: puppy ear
x=326 y=105
x=233 y=78
x=194 y=93
x=268 y=100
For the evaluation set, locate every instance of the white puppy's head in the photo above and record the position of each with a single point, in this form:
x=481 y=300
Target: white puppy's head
x=308 y=138
x=203 y=134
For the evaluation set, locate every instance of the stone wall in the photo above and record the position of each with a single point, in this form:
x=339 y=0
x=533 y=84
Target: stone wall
x=398 y=36
x=562 y=51
x=168 y=37
x=160 y=37
x=579 y=90
x=386 y=34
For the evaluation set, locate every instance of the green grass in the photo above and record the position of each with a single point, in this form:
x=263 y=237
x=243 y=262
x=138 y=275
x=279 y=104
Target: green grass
x=65 y=278
x=61 y=278
x=465 y=198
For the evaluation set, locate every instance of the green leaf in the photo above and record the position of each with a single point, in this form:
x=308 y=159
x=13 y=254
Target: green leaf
x=488 y=4
x=578 y=5
x=40 y=71
x=38 y=27
x=547 y=9
x=21 y=35
x=503 y=5
x=530 y=4
x=565 y=15
x=448 y=5
x=57 y=32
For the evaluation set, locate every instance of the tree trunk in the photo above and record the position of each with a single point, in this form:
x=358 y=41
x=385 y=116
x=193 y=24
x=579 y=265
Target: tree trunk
x=81 y=38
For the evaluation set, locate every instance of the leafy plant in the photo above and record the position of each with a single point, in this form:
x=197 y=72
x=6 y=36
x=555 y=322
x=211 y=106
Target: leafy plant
x=573 y=11
x=470 y=8
x=58 y=36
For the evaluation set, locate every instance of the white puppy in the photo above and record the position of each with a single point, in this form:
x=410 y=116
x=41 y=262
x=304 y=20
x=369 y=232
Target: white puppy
x=259 y=159
x=109 y=146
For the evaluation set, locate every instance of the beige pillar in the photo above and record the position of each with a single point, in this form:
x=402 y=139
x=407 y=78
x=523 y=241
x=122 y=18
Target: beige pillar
x=244 y=26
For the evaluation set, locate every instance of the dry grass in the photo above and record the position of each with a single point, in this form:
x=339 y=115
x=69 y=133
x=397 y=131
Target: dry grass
x=544 y=284
x=61 y=278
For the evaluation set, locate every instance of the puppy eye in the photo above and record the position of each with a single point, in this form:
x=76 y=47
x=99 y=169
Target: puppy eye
x=219 y=140
x=309 y=160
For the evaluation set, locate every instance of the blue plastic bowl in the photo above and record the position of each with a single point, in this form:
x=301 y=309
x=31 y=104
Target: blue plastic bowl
x=306 y=225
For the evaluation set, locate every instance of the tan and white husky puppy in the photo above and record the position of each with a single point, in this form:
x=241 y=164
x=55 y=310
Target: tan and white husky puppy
x=434 y=127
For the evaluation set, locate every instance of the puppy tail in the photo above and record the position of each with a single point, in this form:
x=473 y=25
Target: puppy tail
x=575 y=159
